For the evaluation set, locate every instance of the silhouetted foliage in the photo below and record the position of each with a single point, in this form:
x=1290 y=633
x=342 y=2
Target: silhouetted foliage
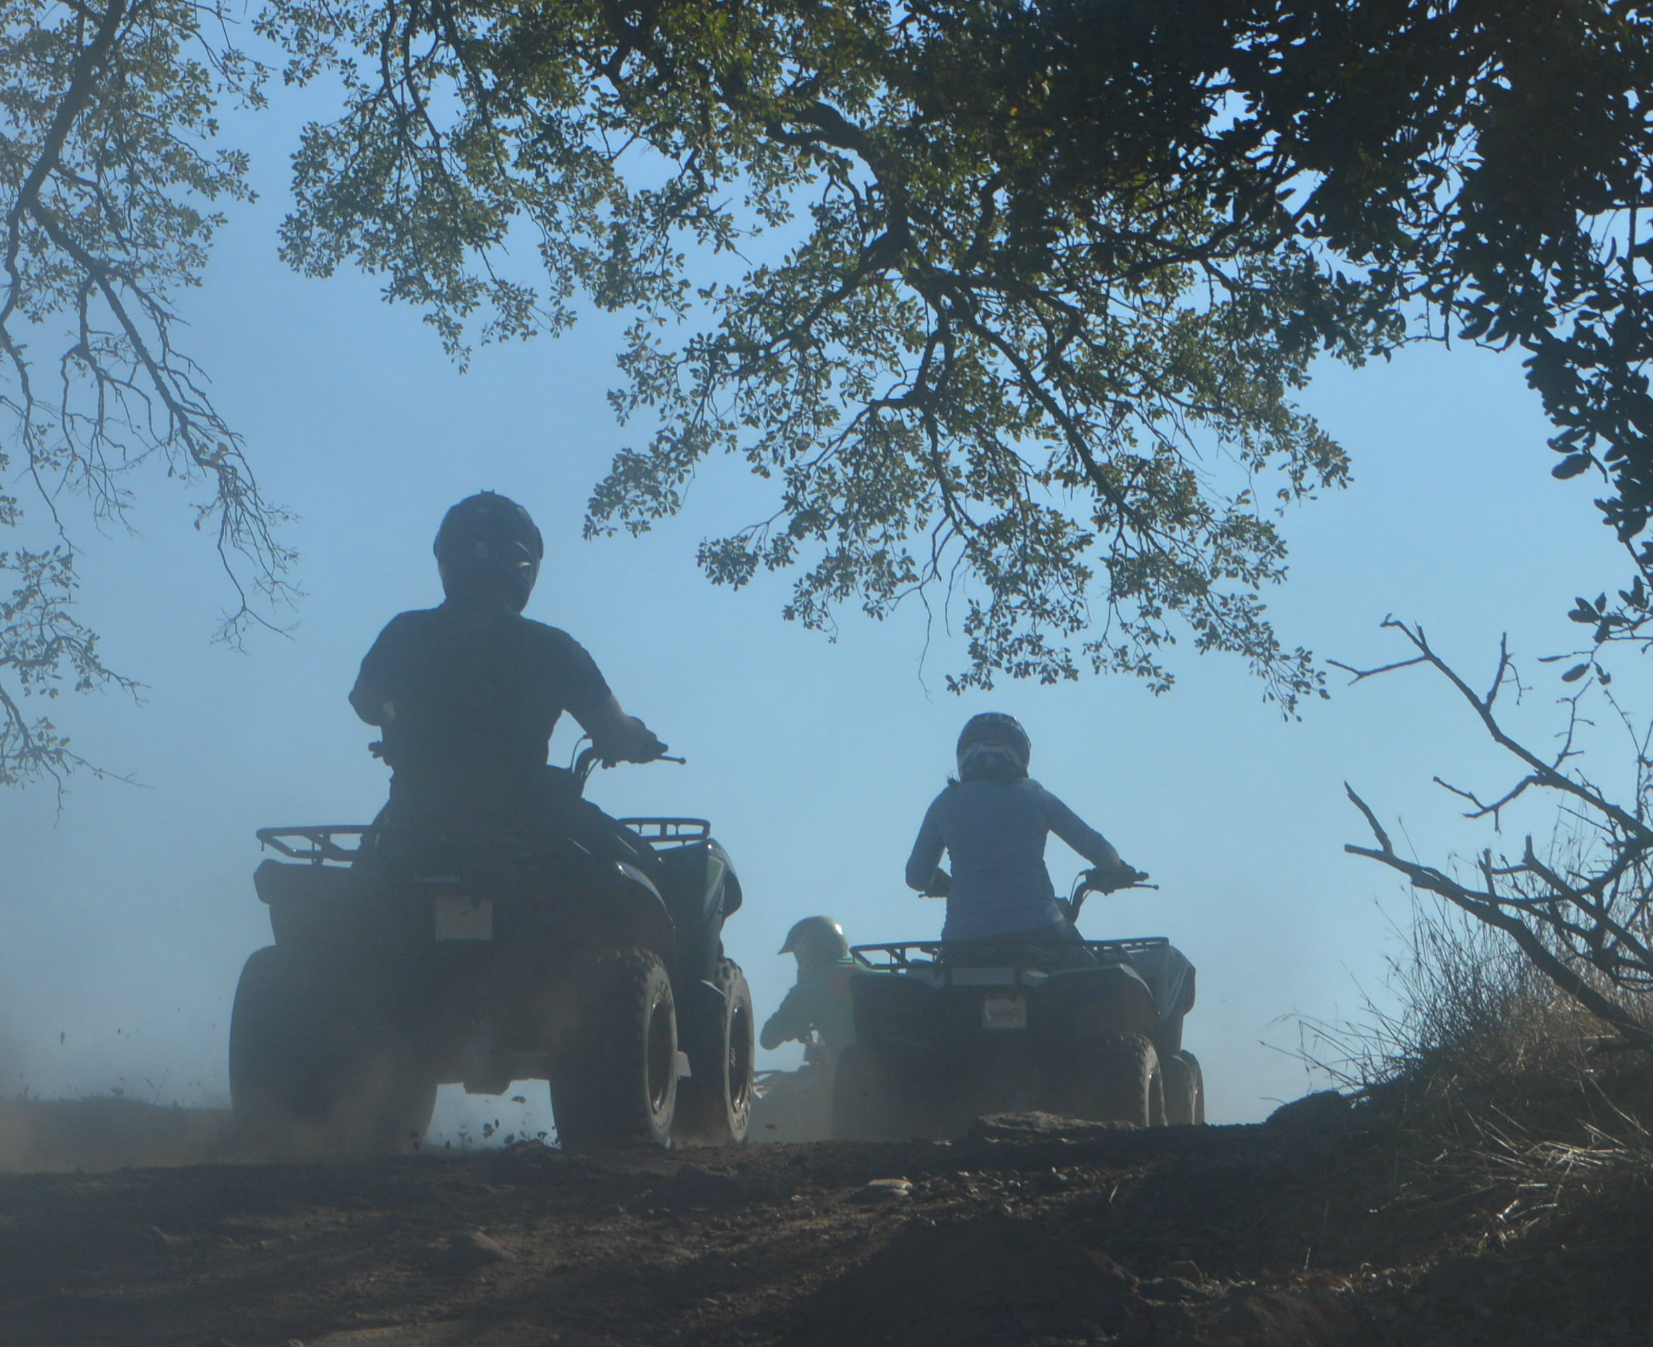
x=1008 y=301
x=106 y=119
x=1039 y=267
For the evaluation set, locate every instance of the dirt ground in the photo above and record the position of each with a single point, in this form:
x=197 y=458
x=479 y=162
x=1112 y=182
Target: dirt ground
x=1308 y=1229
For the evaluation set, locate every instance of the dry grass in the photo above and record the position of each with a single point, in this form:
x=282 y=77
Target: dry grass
x=1507 y=1112
x=1465 y=1011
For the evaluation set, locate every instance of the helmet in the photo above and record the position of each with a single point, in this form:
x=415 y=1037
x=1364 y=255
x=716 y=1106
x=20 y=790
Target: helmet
x=993 y=747
x=816 y=940
x=489 y=542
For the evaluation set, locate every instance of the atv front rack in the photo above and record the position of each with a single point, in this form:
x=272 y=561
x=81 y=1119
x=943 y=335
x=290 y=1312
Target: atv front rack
x=906 y=955
x=318 y=839
x=669 y=832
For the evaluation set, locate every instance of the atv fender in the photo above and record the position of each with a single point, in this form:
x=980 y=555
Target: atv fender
x=627 y=911
x=701 y=891
x=1170 y=975
x=898 y=1010
x=700 y=1009
x=727 y=881
x=314 y=905
x=1087 y=1002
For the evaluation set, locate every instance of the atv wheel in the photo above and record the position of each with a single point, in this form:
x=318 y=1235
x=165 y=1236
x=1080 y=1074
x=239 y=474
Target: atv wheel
x=1184 y=1089
x=316 y=1062
x=715 y=1108
x=616 y=1082
x=873 y=1095
x=1120 y=1081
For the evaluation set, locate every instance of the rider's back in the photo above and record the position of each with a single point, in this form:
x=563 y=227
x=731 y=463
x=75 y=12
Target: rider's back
x=469 y=697
x=994 y=833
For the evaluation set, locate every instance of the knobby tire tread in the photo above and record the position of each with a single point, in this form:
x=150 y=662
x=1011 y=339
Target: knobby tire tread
x=1121 y=1081
x=704 y=1113
x=601 y=1095
x=314 y=1059
x=1184 y=1089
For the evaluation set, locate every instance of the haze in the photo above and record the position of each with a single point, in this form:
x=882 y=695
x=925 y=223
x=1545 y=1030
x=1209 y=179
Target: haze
x=127 y=914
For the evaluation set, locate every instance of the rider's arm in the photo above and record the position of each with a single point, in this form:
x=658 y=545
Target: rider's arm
x=618 y=737
x=371 y=697
x=790 y=1020
x=923 y=872
x=1078 y=834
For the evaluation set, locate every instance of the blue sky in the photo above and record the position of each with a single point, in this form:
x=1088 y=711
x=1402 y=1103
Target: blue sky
x=128 y=916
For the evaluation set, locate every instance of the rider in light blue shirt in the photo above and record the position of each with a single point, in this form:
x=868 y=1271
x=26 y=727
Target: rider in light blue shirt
x=992 y=823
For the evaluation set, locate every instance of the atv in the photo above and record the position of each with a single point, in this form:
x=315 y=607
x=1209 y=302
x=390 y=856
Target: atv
x=945 y=1034
x=403 y=961
x=794 y=1106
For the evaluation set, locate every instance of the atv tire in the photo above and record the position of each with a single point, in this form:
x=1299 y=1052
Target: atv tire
x=714 y=1108
x=615 y=1082
x=317 y=1063
x=873 y=1095
x=1120 y=1081
x=1184 y=1089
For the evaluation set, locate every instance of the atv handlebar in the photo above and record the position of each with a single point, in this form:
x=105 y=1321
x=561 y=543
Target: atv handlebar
x=1100 y=881
x=1111 y=881
x=589 y=758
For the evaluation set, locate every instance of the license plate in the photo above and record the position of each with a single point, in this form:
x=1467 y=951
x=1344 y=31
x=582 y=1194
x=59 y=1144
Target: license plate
x=1004 y=1012
x=462 y=918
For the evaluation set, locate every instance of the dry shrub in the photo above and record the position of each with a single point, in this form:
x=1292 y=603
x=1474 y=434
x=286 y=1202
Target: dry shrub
x=1503 y=1105
x=1465 y=1012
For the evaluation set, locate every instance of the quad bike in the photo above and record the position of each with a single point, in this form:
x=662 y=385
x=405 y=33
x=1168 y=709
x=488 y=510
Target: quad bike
x=403 y=961
x=793 y=1106
x=945 y=1034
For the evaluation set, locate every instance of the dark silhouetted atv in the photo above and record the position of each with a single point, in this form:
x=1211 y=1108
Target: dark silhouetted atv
x=944 y=1036
x=407 y=960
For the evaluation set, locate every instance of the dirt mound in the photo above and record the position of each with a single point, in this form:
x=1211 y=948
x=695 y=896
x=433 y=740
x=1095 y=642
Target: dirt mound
x=1326 y=1228
x=1039 y=1127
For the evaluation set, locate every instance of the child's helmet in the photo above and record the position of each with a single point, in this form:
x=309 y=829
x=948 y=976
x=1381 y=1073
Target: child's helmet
x=993 y=747
x=488 y=541
x=816 y=940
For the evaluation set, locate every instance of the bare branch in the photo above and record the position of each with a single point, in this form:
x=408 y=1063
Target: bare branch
x=1578 y=924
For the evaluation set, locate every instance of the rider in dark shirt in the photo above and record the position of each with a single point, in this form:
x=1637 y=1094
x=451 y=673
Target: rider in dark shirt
x=469 y=693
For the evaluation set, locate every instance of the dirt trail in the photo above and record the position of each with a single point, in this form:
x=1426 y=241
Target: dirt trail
x=108 y=1132
x=1032 y=1231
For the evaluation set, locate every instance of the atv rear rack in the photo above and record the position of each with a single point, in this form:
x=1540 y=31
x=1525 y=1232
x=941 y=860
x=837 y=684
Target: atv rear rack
x=320 y=837
x=318 y=843
x=900 y=957
x=669 y=832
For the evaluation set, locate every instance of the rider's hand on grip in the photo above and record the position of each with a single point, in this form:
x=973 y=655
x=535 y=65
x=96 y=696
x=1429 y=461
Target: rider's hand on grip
x=1107 y=879
x=650 y=748
x=641 y=745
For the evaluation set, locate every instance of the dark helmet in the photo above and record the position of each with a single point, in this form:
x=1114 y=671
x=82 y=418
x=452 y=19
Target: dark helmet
x=488 y=542
x=816 y=940
x=993 y=747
